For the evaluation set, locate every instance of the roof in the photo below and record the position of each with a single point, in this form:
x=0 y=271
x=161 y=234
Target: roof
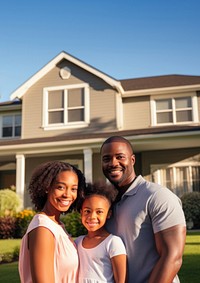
x=10 y=103
x=123 y=86
x=159 y=82
x=82 y=136
x=19 y=92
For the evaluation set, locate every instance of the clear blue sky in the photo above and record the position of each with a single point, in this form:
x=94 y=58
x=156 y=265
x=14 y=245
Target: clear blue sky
x=125 y=39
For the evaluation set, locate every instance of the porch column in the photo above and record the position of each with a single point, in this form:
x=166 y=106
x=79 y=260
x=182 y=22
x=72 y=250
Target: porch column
x=88 y=164
x=20 y=176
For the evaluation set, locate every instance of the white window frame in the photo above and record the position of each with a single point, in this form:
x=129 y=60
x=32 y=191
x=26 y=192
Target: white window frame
x=156 y=173
x=13 y=126
x=194 y=108
x=66 y=124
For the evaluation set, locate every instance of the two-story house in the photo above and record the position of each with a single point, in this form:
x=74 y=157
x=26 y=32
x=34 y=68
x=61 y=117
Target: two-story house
x=68 y=108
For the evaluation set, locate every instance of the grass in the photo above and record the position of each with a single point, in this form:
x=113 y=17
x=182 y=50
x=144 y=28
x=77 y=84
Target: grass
x=189 y=273
x=9 y=273
x=7 y=246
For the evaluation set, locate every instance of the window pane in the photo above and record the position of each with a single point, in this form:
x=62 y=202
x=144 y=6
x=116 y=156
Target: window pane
x=75 y=97
x=7 y=121
x=18 y=131
x=184 y=116
x=196 y=178
x=166 y=176
x=76 y=115
x=7 y=132
x=183 y=102
x=56 y=117
x=163 y=104
x=17 y=120
x=56 y=99
x=164 y=117
x=11 y=126
x=182 y=174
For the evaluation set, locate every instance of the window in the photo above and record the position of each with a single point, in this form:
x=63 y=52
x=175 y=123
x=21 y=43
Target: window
x=11 y=126
x=66 y=106
x=180 y=178
x=175 y=110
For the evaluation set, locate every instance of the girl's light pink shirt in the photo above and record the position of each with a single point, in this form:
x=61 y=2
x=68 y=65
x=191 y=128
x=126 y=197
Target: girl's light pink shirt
x=65 y=256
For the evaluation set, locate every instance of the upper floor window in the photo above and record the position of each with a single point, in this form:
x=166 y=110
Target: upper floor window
x=66 y=106
x=174 y=110
x=10 y=125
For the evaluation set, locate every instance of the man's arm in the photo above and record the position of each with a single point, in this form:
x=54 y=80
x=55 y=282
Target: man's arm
x=170 y=246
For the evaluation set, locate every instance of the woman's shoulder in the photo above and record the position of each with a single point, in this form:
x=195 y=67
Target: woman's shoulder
x=41 y=220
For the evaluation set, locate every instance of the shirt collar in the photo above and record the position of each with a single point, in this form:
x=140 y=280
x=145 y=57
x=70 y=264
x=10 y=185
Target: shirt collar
x=132 y=190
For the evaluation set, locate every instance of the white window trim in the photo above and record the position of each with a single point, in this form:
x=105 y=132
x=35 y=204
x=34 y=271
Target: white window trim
x=1 y=124
x=73 y=125
x=194 y=107
x=156 y=171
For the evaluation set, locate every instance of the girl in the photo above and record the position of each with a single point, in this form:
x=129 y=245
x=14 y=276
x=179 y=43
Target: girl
x=102 y=255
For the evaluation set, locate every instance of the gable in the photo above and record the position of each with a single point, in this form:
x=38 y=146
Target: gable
x=18 y=93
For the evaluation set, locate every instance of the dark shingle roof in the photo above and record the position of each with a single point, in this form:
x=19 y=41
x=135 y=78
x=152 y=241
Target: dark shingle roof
x=10 y=103
x=159 y=81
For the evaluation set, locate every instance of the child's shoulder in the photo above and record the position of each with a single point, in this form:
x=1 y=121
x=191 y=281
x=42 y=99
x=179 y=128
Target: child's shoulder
x=115 y=239
x=79 y=239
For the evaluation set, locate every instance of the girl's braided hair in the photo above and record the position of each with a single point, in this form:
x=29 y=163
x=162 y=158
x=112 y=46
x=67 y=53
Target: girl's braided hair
x=44 y=176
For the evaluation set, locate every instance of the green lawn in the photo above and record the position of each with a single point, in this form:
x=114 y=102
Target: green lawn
x=9 y=245
x=189 y=273
x=190 y=270
x=9 y=273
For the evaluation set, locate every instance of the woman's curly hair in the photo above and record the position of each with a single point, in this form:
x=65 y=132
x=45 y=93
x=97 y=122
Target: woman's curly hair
x=100 y=188
x=44 y=176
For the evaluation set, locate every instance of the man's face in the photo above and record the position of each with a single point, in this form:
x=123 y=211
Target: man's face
x=117 y=163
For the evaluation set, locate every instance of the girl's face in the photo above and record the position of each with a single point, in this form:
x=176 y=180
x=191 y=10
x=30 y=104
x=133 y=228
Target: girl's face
x=63 y=192
x=94 y=212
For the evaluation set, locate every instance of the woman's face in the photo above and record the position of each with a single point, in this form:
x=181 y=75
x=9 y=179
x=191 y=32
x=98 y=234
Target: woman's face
x=63 y=192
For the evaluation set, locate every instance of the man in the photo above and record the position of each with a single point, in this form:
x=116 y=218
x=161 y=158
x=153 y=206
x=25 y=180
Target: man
x=148 y=217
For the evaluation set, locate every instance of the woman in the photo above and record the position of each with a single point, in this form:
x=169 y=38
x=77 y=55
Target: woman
x=47 y=252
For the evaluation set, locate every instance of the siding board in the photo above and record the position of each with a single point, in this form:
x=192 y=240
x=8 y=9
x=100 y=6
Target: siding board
x=136 y=112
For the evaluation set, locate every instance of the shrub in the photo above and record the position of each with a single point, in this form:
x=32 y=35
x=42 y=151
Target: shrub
x=10 y=256
x=6 y=258
x=16 y=253
x=191 y=208
x=10 y=202
x=7 y=227
x=23 y=218
x=73 y=224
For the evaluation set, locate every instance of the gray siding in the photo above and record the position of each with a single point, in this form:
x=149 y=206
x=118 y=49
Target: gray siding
x=136 y=112
x=102 y=104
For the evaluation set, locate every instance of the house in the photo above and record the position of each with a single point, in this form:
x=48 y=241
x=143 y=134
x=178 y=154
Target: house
x=68 y=108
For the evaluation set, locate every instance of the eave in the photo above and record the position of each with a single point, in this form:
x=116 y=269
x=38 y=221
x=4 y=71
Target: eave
x=163 y=90
x=19 y=92
x=142 y=140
